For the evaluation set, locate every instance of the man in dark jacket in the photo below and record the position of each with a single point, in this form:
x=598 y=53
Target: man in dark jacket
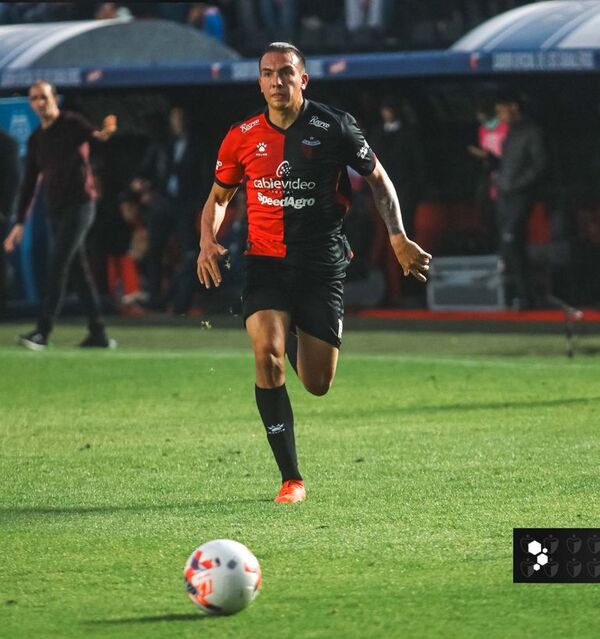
x=9 y=184
x=520 y=170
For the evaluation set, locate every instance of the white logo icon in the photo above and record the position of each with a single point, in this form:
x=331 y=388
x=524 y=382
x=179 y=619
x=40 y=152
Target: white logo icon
x=284 y=169
x=362 y=153
x=219 y=165
x=262 y=146
x=274 y=429
x=541 y=558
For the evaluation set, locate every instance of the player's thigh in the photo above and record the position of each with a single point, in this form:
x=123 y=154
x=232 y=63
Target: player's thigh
x=317 y=363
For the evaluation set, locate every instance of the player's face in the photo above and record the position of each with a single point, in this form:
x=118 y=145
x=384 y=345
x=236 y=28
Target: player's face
x=282 y=80
x=42 y=100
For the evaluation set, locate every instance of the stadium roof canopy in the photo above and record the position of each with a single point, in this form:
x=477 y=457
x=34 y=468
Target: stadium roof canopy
x=76 y=53
x=557 y=36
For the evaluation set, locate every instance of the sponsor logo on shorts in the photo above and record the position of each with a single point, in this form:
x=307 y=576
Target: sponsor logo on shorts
x=316 y=122
x=288 y=201
x=244 y=128
x=219 y=165
x=297 y=184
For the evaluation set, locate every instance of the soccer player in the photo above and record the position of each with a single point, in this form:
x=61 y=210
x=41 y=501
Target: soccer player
x=58 y=150
x=294 y=155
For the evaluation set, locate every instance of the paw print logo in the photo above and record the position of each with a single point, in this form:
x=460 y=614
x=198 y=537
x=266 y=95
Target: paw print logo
x=262 y=147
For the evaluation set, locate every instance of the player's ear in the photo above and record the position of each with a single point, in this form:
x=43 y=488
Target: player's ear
x=305 y=80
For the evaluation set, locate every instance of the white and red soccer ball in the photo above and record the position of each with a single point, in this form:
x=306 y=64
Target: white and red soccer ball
x=222 y=577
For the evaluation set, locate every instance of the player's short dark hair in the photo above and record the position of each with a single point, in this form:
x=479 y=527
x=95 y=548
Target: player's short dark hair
x=283 y=47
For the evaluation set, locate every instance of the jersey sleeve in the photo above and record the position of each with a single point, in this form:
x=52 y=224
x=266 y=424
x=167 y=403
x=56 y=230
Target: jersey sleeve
x=357 y=152
x=229 y=171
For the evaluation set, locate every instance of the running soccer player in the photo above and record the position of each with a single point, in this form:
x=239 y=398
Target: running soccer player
x=294 y=154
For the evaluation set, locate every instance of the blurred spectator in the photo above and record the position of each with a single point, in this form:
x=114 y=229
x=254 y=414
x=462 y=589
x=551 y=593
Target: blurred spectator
x=207 y=18
x=9 y=184
x=362 y=14
x=172 y=181
x=491 y=135
x=520 y=170
x=112 y=11
x=280 y=17
x=399 y=150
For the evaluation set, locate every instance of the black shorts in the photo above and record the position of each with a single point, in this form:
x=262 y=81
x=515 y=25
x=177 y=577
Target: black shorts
x=315 y=301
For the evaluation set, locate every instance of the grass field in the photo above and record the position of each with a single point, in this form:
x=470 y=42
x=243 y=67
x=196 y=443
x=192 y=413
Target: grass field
x=427 y=452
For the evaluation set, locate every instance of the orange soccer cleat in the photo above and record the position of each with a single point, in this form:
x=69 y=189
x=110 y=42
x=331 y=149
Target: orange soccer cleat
x=291 y=492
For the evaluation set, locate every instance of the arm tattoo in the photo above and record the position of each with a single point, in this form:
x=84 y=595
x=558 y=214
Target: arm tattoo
x=388 y=206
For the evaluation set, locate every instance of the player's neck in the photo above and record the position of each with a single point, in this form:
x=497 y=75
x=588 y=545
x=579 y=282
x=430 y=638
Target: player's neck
x=286 y=117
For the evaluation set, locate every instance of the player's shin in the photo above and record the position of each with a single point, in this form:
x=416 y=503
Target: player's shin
x=276 y=413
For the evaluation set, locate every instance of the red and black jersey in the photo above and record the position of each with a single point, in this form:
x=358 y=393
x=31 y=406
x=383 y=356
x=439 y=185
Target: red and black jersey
x=297 y=182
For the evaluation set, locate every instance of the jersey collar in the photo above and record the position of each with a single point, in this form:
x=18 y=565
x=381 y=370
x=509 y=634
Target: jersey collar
x=301 y=115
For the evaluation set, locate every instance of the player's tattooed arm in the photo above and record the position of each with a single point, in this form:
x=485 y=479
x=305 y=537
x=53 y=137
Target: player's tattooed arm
x=413 y=259
x=386 y=200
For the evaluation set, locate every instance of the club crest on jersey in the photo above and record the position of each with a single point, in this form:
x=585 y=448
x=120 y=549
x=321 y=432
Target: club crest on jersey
x=261 y=149
x=319 y=123
x=284 y=169
x=309 y=146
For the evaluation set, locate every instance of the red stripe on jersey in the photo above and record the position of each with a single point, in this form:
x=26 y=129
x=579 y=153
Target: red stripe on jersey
x=255 y=149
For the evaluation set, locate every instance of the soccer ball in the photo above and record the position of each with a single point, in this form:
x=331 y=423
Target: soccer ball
x=222 y=577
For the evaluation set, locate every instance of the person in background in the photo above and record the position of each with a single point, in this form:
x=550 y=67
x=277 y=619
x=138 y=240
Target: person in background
x=172 y=181
x=10 y=172
x=58 y=152
x=491 y=135
x=520 y=170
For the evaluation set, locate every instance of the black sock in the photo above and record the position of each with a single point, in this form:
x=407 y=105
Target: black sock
x=276 y=412
x=291 y=350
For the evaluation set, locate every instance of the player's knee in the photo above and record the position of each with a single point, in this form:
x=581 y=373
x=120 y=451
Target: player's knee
x=318 y=386
x=270 y=364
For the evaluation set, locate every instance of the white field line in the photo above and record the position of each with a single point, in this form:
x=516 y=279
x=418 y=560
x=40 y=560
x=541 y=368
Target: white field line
x=476 y=361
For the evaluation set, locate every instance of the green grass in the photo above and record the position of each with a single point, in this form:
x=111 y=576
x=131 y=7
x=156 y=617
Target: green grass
x=429 y=449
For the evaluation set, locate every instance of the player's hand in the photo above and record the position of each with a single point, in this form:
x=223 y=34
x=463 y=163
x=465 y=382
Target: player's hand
x=478 y=152
x=109 y=124
x=413 y=259
x=13 y=239
x=209 y=272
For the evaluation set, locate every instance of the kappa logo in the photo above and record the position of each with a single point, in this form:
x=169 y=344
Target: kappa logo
x=319 y=123
x=244 y=128
x=363 y=151
x=261 y=149
x=284 y=169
